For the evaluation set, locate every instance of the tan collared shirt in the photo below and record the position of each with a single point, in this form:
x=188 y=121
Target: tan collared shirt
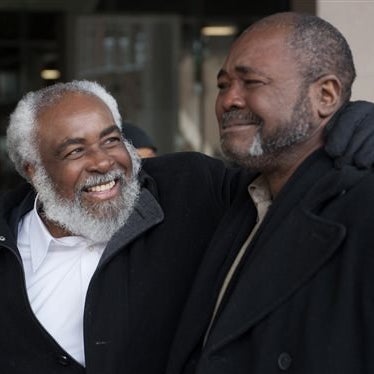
x=259 y=191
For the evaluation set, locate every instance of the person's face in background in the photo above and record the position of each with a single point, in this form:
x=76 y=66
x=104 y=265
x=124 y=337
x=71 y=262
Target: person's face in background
x=145 y=152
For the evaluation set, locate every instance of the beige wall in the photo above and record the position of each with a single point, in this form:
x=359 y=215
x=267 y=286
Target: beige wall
x=355 y=19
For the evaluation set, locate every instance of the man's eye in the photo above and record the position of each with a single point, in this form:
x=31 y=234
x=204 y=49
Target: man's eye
x=75 y=153
x=221 y=85
x=113 y=140
x=253 y=82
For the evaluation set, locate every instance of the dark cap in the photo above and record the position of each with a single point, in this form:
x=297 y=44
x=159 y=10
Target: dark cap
x=138 y=137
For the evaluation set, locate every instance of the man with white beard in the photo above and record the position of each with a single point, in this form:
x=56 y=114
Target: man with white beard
x=97 y=257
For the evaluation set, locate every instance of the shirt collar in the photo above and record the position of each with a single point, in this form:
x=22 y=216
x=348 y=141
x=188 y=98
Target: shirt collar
x=41 y=238
x=42 y=241
x=259 y=191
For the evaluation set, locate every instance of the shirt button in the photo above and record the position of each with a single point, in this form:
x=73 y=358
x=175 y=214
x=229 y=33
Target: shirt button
x=284 y=361
x=2 y=238
x=63 y=360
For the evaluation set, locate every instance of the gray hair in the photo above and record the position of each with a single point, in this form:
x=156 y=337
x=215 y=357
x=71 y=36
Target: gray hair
x=21 y=133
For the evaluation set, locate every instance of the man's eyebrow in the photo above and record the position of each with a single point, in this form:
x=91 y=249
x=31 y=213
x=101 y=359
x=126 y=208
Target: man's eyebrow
x=240 y=69
x=75 y=141
x=221 y=72
x=66 y=143
x=109 y=130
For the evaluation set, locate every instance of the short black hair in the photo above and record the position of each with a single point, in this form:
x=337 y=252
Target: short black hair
x=319 y=47
x=137 y=136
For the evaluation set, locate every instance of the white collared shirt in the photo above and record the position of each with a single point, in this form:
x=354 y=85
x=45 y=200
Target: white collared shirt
x=58 y=272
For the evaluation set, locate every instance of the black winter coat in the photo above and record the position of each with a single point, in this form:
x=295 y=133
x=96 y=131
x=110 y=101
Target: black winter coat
x=303 y=298
x=137 y=293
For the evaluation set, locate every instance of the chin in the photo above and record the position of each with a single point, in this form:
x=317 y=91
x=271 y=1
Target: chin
x=235 y=149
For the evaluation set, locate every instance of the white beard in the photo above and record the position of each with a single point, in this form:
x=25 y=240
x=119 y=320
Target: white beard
x=98 y=222
x=256 y=147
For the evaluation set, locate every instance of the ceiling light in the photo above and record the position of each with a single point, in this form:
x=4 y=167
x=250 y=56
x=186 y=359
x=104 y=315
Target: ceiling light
x=219 y=30
x=50 y=74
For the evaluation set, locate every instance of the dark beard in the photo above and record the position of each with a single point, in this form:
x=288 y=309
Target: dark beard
x=271 y=151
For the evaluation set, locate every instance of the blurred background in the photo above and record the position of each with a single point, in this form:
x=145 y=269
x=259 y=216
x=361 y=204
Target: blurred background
x=159 y=58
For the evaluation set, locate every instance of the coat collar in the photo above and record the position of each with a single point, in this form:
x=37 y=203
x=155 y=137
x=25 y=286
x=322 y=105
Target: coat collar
x=147 y=213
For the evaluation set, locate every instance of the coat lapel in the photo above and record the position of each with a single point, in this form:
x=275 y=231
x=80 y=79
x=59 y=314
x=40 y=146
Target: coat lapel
x=274 y=270
x=266 y=279
x=147 y=213
x=293 y=243
x=210 y=275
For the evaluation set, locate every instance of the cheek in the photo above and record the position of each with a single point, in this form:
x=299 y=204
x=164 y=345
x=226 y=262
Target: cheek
x=220 y=99
x=64 y=180
x=219 y=111
x=123 y=159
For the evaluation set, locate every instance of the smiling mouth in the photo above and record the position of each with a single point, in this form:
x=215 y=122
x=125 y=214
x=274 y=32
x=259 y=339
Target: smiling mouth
x=229 y=125
x=101 y=187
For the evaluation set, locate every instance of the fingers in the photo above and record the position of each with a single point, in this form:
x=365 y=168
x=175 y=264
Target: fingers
x=364 y=157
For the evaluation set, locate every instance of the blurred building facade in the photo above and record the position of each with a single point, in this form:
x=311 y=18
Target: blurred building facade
x=156 y=57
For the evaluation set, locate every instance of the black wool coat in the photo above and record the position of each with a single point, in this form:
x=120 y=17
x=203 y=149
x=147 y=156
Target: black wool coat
x=303 y=298
x=137 y=293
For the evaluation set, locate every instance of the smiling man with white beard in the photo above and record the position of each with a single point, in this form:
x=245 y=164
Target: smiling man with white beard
x=97 y=255
x=99 y=221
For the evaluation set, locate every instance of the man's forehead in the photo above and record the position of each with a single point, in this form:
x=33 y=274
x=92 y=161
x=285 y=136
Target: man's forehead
x=67 y=99
x=71 y=103
x=257 y=44
x=262 y=36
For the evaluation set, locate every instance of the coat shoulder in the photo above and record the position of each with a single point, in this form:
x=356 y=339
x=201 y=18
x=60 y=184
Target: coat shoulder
x=181 y=162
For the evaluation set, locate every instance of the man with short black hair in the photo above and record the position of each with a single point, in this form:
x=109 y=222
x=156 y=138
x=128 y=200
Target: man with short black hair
x=295 y=292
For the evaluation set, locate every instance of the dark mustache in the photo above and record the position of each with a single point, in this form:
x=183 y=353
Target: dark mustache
x=239 y=115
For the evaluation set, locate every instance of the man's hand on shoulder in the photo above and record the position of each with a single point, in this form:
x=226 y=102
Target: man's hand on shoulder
x=350 y=138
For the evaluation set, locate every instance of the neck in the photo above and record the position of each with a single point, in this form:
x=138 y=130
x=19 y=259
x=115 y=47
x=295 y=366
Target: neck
x=287 y=164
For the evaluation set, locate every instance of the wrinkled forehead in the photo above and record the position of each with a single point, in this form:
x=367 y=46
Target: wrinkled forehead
x=265 y=45
x=74 y=115
x=69 y=104
x=260 y=39
x=67 y=99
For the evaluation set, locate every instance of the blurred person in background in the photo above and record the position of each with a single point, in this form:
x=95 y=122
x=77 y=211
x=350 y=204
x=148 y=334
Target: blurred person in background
x=142 y=142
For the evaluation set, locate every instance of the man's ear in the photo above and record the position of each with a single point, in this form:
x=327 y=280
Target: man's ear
x=29 y=170
x=328 y=91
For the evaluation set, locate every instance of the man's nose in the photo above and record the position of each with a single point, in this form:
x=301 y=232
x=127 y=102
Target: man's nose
x=100 y=161
x=233 y=99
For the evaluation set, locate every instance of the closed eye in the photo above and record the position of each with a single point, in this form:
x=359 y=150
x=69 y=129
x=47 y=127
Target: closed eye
x=74 y=153
x=112 y=141
x=222 y=85
x=251 y=82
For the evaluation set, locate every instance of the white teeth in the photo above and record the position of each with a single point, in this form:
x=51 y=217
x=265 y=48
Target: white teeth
x=102 y=187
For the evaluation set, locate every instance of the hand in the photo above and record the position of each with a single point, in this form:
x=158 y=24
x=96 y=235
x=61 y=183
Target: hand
x=350 y=137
